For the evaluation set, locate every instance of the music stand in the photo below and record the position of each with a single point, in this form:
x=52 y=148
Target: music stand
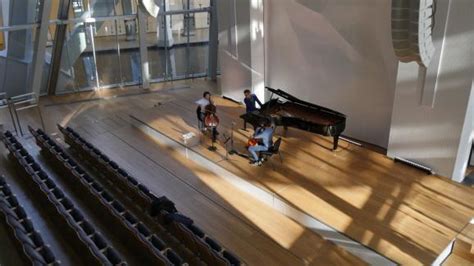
x=231 y=139
x=232 y=150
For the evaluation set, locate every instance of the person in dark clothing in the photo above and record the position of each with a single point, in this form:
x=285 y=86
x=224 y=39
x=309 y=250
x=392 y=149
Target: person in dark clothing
x=250 y=101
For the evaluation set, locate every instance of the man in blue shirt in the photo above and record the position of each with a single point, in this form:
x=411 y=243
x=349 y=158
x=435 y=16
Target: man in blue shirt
x=264 y=134
x=250 y=101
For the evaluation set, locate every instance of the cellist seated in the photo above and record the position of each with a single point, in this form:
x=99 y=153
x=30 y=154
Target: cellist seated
x=206 y=114
x=211 y=121
x=201 y=107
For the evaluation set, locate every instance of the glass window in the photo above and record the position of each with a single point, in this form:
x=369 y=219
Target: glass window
x=129 y=51
x=105 y=53
x=20 y=12
x=16 y=62
x=78 y=69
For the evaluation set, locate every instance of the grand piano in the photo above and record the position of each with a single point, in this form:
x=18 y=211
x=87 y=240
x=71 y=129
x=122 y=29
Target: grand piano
x=290 y=111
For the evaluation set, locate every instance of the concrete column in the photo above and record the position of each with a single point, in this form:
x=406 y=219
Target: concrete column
x=142 y=20
x=213 y=42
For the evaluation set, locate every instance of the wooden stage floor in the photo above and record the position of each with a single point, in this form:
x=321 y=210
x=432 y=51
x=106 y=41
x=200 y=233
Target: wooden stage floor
x=398 y=211
x=395 y=210
x=255 y=232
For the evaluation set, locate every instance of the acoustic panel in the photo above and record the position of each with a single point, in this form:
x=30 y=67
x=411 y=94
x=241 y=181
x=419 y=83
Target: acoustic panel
x=412 y=25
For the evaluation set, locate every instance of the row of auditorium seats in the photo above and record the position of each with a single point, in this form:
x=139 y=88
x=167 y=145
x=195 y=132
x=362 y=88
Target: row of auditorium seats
x=101 y=163
x=22 y=228
x=192 y=236
x=151 y=245
x=101 y=252
x=207 y=248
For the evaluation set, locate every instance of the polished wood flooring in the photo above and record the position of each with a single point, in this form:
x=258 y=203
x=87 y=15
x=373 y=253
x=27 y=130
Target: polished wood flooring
x=463 y=251
x=396 y=210
x=255 y=232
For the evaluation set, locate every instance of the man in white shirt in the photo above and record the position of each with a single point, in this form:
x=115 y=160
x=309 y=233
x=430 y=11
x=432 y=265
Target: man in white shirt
x=201 y=109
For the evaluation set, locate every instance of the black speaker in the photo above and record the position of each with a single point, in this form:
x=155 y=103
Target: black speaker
x=412 y=25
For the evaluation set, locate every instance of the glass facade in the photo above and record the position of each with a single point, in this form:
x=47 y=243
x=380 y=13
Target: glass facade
x=101 y=44
x=18 y=20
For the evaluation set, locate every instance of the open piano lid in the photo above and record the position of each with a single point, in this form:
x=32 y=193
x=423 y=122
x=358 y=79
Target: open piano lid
x=292 y=98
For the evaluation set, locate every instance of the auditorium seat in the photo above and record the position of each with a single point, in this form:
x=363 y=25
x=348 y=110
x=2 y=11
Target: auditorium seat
x=118 y=207
x=173 y=257
x=196 y=231
x=157 y=243
x=231 y=258
x=204 y=251
x=186 y=236
x=213 y=244
x=87 y=228
x=132 y=180
x=68 y=213
x=142 y=195
x=112 y=256
x=22 y=228
x=99 y=241
x=116 y=212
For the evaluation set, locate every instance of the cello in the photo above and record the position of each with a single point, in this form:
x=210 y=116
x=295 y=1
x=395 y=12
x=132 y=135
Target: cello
x=211 y=120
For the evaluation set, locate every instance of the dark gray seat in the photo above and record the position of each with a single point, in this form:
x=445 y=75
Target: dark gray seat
x=275 y=149
x=233 y=260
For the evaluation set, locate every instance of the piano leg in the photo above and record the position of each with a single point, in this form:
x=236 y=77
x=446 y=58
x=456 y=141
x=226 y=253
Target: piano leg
x=335 y=143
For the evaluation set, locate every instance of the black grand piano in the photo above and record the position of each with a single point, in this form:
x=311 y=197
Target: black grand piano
x=297 y=113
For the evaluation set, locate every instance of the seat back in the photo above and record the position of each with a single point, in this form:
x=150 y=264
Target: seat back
x=276 y=146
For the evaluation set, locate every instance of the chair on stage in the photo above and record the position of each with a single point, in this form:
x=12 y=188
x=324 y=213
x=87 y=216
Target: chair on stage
x=273 y=150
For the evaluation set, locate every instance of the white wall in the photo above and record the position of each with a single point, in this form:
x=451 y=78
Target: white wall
x=439 y=136
x=241 y=47
x=337 y=54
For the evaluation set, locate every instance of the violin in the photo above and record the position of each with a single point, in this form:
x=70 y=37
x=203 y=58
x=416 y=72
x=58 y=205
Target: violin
x=253 y=142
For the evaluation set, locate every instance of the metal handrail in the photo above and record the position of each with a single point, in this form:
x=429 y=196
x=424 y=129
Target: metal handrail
x=28 y=98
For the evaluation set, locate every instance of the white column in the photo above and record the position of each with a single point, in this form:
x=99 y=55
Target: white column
x=257 y=46
x=142 y=21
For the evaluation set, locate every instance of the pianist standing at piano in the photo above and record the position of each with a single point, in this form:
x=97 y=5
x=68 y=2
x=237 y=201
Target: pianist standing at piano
x=250 y=101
